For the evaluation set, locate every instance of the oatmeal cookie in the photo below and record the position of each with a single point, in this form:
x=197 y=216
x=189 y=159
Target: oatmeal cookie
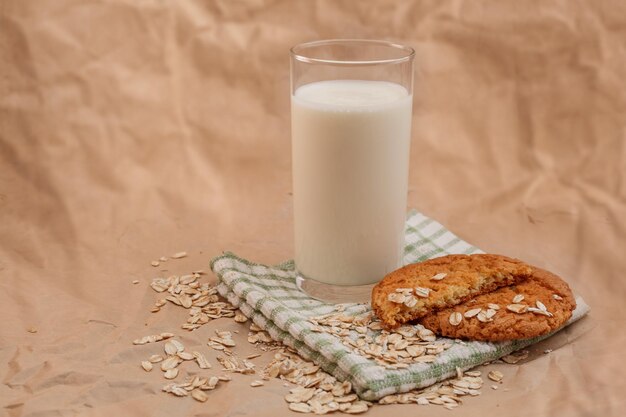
x=419 y=289
x=534 y=307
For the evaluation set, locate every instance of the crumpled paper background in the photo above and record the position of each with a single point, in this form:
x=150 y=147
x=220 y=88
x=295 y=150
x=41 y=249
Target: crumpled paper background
x=135 y=129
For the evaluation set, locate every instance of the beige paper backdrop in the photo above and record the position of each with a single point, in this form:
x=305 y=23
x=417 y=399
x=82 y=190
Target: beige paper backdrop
x=135 y=129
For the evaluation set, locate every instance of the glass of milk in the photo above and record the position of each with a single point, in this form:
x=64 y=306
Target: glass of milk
x=351 y=104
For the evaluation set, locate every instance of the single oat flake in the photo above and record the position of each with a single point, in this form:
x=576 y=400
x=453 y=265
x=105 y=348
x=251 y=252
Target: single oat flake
x=171 y=373
x=422 y=292
x=170 y=363
x=455 y=318
x=517 y=308
x=240 y=318
x=490 y=313
x=483 y=317
x=300 y=407
x=186 y=356
x=540 y=311
x=155 y=358
x=515 y=357
x=471 y=313
x=496 y=376
x=170 y=348
x=199 y=395
x=202 y=361
x=395 y=297
x=410 y=301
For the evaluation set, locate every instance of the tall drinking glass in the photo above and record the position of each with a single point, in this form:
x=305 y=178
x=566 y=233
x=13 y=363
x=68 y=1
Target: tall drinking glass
x=351 y=103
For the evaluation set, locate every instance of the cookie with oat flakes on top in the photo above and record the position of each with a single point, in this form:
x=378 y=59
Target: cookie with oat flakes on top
x=534 y=307
x=417 y=290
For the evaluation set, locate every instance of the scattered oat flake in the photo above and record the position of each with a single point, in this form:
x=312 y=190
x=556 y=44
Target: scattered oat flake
x=494 y=387
x=146 y=365
x=202 y=361
x=357 y=408
x=170 y=363
x=439 y=276
x=256 y=383
x=515 y=357
x=240 y=318
x=32 y=330
x=179 y=346
x=495 y=376
x=136 y=281
x=300 y=407
x=175 y=389
x=155 y=358
x=186 y=356
x=557 y=297
x=171 y=373
x=493 y=306
x=151 y=339
x=199 y=395
x=179 y=255
x=170 y=348
x=518 y=298
x=162 y=259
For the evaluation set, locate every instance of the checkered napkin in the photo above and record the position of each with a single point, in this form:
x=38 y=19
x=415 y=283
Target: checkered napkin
x=269 y=296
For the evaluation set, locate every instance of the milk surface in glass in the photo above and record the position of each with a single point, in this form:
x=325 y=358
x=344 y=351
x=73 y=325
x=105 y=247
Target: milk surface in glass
x=350 y=149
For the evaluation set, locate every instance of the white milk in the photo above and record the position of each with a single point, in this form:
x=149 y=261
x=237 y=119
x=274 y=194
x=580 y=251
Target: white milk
x=350 y=145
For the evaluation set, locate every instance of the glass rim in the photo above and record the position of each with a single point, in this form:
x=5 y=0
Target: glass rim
x=297 y=52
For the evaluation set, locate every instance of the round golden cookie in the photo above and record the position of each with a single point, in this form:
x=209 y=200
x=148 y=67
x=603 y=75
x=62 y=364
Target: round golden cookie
x=416 y=290
x=503 y=316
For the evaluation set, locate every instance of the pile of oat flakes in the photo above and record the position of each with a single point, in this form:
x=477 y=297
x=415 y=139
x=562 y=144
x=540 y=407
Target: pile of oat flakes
x=311 y=389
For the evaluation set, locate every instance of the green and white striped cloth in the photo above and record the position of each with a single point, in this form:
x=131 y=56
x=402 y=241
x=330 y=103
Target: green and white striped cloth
x=269 y=296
